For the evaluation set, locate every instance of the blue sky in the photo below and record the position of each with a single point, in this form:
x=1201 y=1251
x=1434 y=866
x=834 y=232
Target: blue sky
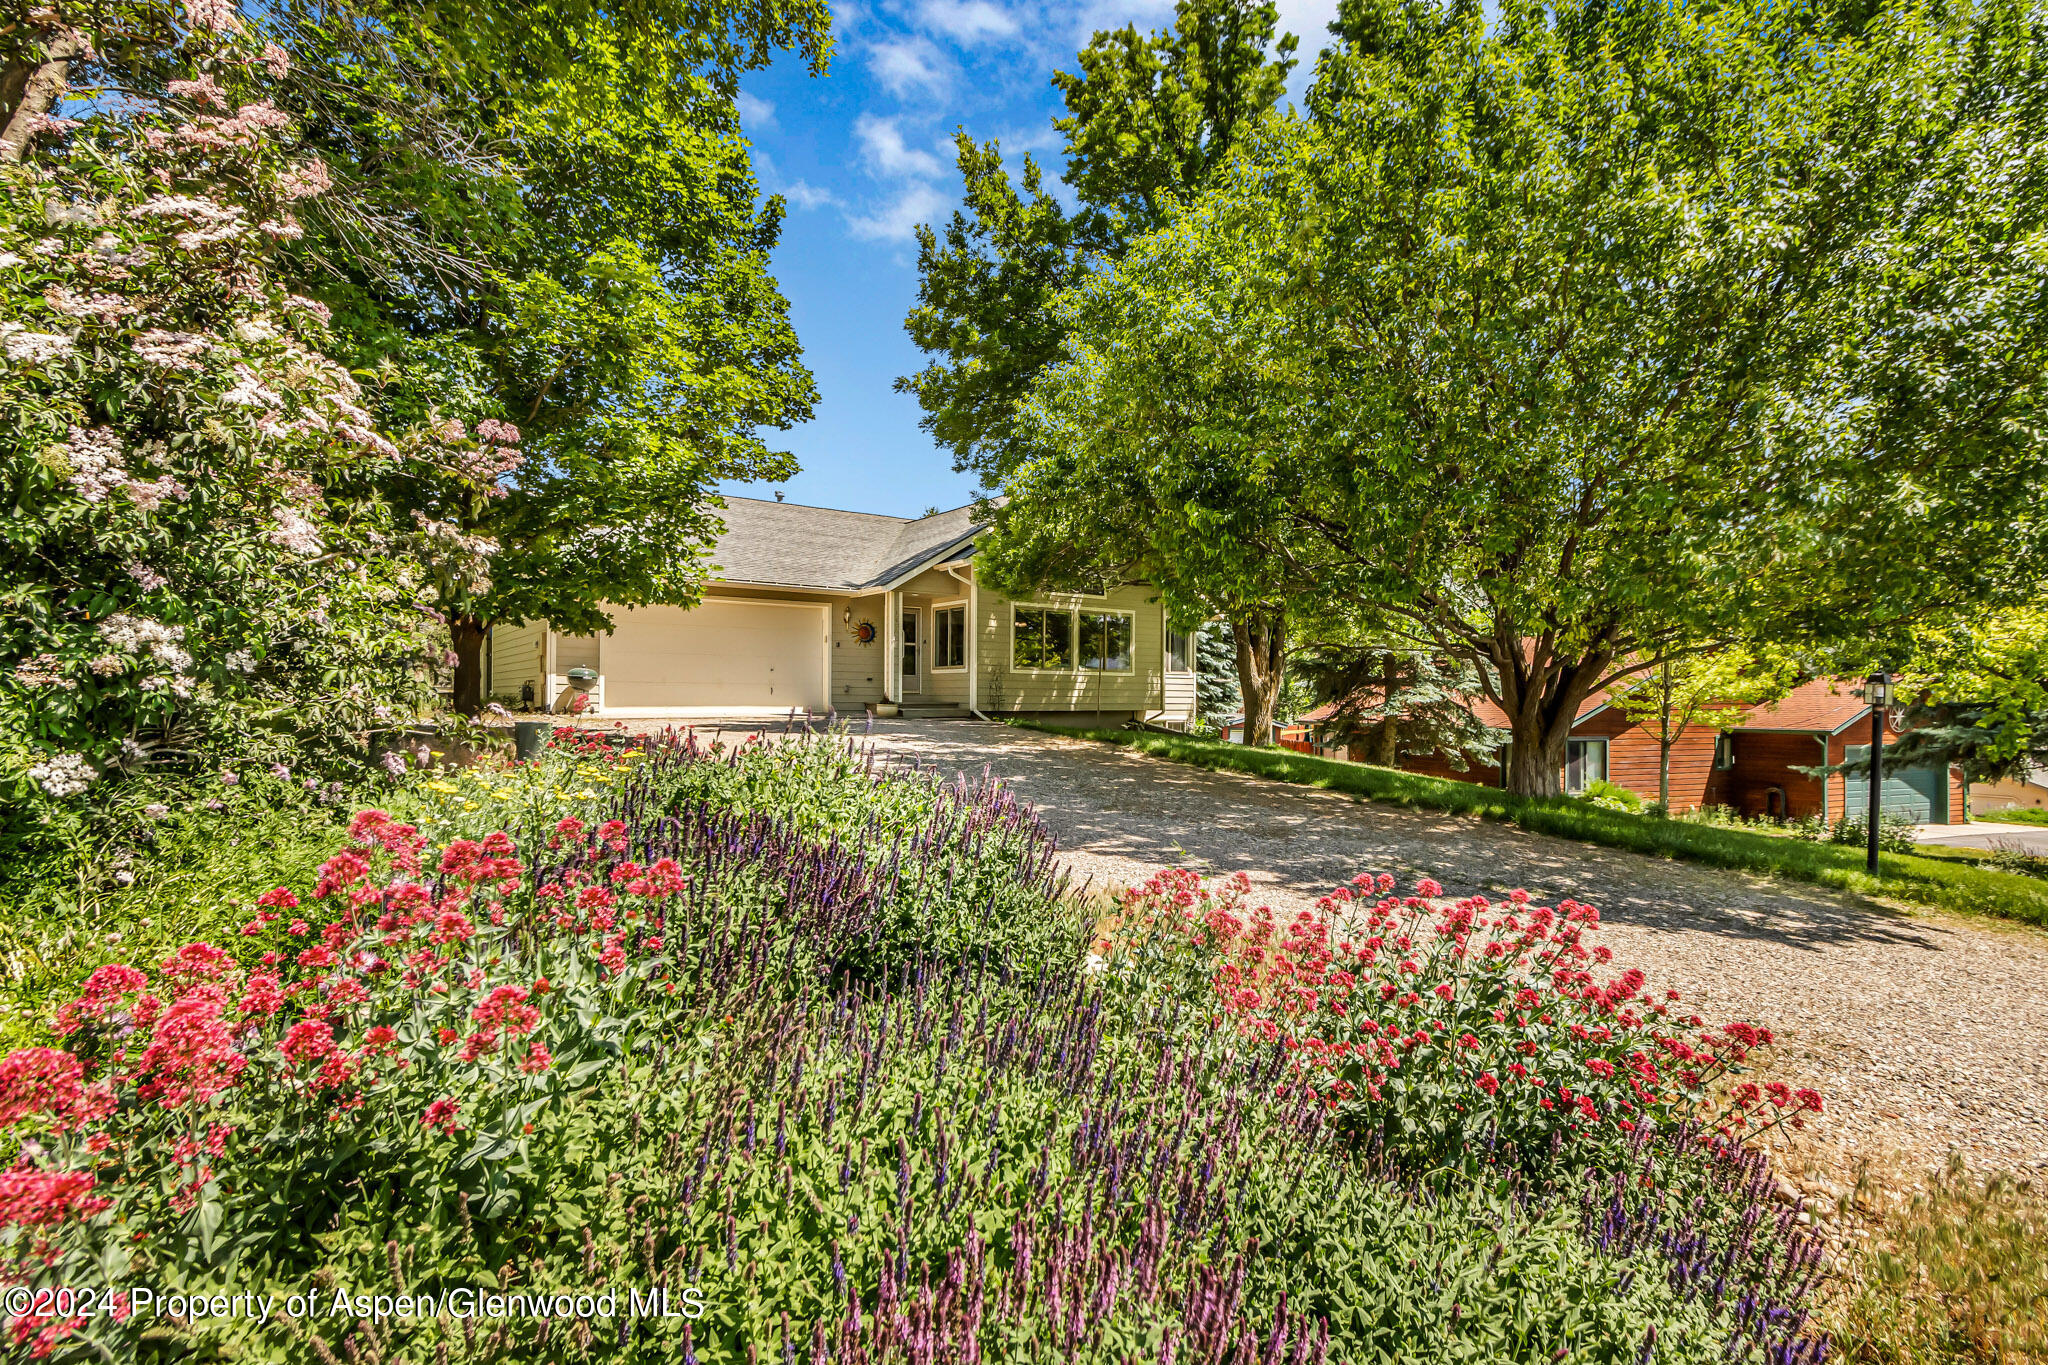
x=865 y=154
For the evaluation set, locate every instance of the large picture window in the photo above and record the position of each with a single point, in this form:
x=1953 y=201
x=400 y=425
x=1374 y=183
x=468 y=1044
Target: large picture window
x=1042 y=638
x=1106 y=638
x=949 y=637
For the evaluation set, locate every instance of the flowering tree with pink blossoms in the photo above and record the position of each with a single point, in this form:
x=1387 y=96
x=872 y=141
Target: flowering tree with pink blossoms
x=200 y=564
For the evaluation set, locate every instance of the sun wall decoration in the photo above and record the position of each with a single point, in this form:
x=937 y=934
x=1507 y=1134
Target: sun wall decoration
x=864 y=631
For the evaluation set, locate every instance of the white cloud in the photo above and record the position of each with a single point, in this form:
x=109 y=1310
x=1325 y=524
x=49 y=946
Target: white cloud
x=807 y=196
x=888 y=155
x=1308 y=20
x=755 y=112
x=967 y=21
x=910 y=66
x=895 y=221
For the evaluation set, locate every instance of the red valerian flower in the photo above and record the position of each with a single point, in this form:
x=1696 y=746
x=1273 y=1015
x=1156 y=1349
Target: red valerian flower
x=102 y=991
x=451 y=926
x=262 y=998
x=307 y=1041
x=279 y=898
x=43 y=1333
x=340 y=872
x=191 y=1055
x=194 y=963
x=41 y=1080
x=441 y=1114
x=39 y=1199
x=1487 y=1082
x=379 y=1038
x=538 y=1059
x=506 y=1008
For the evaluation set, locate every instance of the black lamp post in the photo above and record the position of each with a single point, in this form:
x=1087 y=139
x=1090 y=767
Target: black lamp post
x=1878 y=692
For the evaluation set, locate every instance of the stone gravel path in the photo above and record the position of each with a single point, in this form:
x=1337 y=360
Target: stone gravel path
x=1926 y=1032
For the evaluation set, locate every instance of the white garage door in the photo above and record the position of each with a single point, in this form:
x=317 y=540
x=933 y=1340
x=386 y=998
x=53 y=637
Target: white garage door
x=720 y=653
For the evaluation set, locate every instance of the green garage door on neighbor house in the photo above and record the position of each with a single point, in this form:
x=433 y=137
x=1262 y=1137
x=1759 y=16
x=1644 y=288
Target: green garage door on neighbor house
x=1921 y=793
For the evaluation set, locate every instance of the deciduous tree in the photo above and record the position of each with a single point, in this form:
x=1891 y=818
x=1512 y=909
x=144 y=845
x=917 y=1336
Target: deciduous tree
x=547 y=220
x=1149 y=119
x=1611 y=329
x=1711 y=689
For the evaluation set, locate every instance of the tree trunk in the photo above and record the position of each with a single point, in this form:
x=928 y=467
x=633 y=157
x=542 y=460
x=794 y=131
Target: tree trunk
x=1541 y=694
x=1386 y=745
x=467 y=634
x=29 y=90
x=1536 y=758
x=1665 y=738
x=1261 y=664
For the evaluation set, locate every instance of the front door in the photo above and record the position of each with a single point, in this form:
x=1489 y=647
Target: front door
x=913 y=650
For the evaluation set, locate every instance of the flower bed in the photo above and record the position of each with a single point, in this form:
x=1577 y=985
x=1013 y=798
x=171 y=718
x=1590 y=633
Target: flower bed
x=768 y=1032
x=1440 y=1026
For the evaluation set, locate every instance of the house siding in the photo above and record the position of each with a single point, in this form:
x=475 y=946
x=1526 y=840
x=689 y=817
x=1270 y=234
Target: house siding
x=1177 y=695
x=1439 y=765
x=1004 y=688
x=857 y=669
x=1633 y=759
x=516 y=659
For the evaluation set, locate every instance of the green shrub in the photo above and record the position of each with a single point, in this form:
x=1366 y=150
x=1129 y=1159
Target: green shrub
x=1895 y=831
x=2010 y=855
x=1601 y=792
x=155 y=866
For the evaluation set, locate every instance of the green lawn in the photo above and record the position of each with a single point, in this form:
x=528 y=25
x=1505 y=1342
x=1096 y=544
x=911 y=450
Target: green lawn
x=2025 y=815
x=1946 y=880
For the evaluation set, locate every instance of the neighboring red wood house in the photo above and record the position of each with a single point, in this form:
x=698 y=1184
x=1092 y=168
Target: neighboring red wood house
x=1825 y=717
x=1752 y=769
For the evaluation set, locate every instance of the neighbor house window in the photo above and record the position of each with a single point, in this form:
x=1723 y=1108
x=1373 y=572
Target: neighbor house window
x=1724 y=752
x=1106 y=638
x=1585 y=761
x=1042 y=637
x=949 y=637
x=1179 y=652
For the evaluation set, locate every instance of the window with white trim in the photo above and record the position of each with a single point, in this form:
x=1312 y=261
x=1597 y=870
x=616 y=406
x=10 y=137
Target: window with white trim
x=1108 y=639
x=949 y=637
x=1724 y=752
x=1041 y=638
x=1180 y=652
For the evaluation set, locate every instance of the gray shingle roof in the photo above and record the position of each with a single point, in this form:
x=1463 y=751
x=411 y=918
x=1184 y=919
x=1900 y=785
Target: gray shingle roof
x=792 y=546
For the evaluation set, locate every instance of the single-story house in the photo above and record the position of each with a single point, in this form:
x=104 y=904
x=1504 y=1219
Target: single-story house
x=2011 y=793
x=812 y=608
x=1287 y=734
x=1752 y=768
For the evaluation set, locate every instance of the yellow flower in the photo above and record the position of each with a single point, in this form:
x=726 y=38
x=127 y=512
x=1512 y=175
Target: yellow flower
x=587 y=794
x=445 y=788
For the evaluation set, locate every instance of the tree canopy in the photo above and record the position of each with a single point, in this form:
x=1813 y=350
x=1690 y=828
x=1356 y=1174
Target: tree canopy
x=1606 y=331
x=1150 y=119
x=555 y=227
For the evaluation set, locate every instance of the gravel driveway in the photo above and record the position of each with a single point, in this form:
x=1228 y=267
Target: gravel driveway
x=1926 y=1032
